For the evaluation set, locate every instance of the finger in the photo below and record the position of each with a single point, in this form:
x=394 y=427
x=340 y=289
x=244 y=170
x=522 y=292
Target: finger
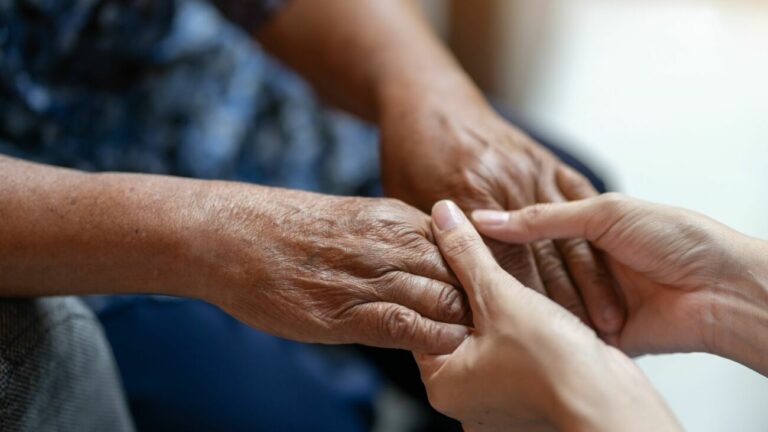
x=426 y=260
x=464 y=250
x=590 y=219
x=592 y=279
x=431 y=298
x=558 y=284
x=606 y=309
x=389 y=325
x=572 y=219
x=573 y=185
x=552 y=269
x=519 y=261
x=581 y=217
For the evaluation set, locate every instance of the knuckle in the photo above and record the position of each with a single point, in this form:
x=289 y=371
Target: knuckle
x=387 y=280
x=574 y=180
x=516 y=260
x=585 y=266
x=547 y=259
x=461 y=244
x=386 y=209
x=531 y=215
x=613 y=201
x=576 y=251
x=388 y=202
x=554 y=277
x=399 y=324
x=451 y=303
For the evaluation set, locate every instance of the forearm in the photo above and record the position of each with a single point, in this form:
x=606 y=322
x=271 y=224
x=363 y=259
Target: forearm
x=68 y=232
x=739 y=319
x=364 y=56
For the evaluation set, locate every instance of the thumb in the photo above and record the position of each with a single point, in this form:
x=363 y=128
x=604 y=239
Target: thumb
x=465 y=252
x=591 y=218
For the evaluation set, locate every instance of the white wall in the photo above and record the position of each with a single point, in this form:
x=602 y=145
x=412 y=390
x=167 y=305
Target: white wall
x=670 y=98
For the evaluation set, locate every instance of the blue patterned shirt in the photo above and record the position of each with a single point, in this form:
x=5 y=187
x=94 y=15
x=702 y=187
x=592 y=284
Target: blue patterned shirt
x=171 y=87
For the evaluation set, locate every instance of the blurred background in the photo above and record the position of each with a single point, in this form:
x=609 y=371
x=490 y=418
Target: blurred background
x=668 y=99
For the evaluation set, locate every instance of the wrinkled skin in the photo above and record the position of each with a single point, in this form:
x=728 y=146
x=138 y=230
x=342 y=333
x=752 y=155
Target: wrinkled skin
x=671 y=264
x=529 y=364
x=318 y=268
x=469 y=154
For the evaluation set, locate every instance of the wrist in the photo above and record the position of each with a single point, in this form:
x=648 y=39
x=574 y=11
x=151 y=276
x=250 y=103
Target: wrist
x=739 y=319
x=225 y=239
x=426 y=91
x=609 y=393
x=166 y=220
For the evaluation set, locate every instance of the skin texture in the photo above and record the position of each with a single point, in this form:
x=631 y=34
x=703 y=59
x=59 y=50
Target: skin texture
x=339 y=270
x=304 y=266
x=75 y=233
x=440 y=139
x=375 y=59
x=529 y=364
x=689 y=282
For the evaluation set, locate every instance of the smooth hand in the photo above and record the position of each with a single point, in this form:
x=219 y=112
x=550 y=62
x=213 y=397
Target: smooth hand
x=528 y=364
x=466 y=152
x=325 y=269
x=680 y=273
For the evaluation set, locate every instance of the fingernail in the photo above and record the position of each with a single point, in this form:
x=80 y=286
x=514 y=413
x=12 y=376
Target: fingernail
x=490 y=217
x=447 y=215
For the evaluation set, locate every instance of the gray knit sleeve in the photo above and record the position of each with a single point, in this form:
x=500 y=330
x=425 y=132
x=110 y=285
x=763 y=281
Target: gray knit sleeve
x=57 y=372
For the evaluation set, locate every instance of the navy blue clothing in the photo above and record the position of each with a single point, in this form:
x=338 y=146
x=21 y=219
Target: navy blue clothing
x=167 y=87
x=187 y=365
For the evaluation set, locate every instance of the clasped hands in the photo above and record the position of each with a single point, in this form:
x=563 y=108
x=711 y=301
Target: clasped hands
x=493 y=353
x=327 y=269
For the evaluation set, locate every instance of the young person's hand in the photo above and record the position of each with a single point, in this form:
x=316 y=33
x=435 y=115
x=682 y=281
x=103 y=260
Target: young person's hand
x=689 y=282
x=528 y=364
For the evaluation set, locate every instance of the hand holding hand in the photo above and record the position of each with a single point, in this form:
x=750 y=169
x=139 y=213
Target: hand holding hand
x=317 y=268
x=682 y=275
x=466 y=152
x=528 y=364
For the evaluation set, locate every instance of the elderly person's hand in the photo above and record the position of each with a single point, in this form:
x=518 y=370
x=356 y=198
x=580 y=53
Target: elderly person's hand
x=318 y=268
x=452 y=145
x=439 y=137
x=689 y=282
x=305 y=266
x=528 y=364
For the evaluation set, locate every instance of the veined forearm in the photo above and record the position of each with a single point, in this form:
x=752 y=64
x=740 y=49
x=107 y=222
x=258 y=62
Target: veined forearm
x=68 y=232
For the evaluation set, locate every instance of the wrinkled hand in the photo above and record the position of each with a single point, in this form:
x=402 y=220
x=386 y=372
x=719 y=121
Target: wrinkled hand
x=528 y=364
x=671 y=264
x=326 y=269
x=472 y=156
